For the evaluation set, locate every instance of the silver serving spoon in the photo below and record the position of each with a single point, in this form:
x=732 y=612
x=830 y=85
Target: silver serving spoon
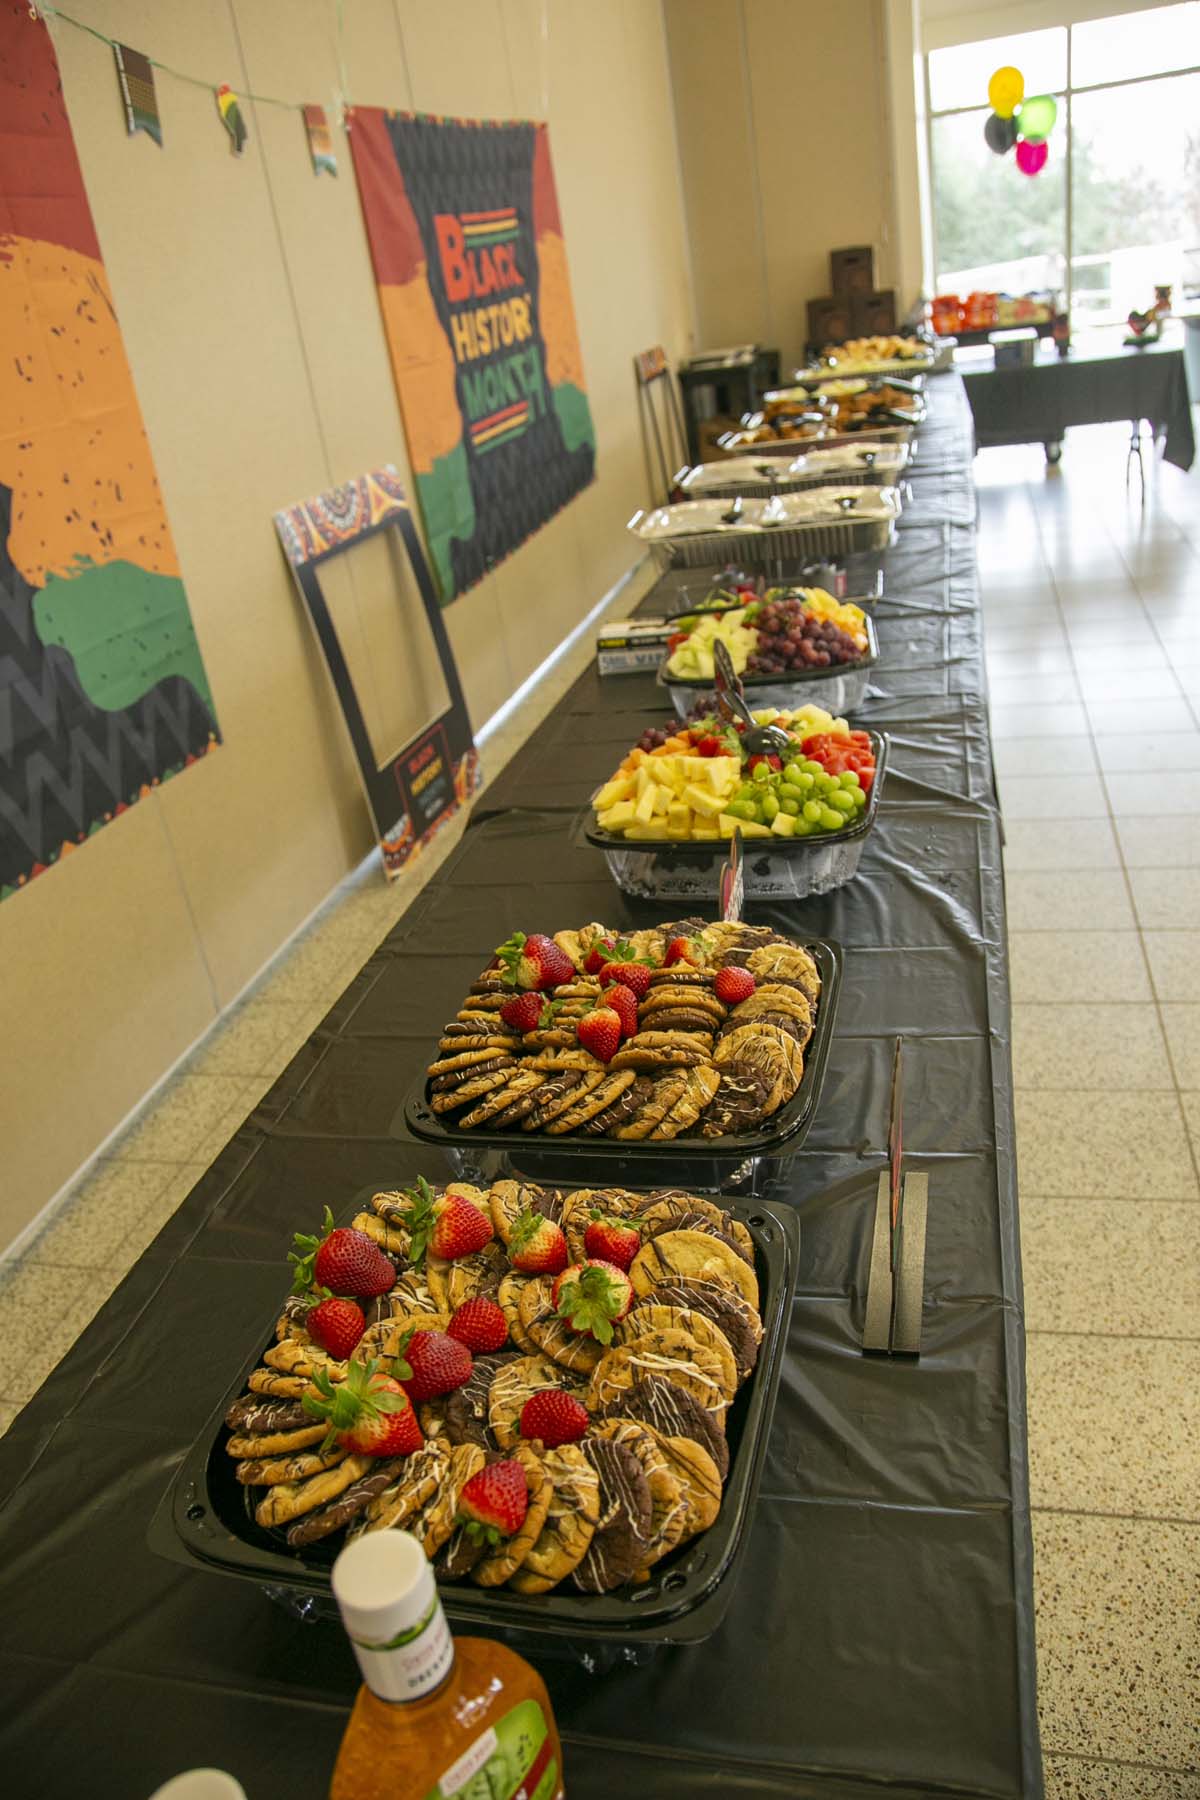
x=757 y=740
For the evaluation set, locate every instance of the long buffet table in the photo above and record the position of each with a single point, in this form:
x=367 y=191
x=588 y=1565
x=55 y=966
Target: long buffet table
x=881 y=1632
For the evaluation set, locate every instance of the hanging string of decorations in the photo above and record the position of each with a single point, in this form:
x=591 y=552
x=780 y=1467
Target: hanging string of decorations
x=1015 y=121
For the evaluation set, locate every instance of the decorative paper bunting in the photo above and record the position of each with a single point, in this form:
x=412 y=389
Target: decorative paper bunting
x=231 y=116
x=136 y=76
x=320 y=144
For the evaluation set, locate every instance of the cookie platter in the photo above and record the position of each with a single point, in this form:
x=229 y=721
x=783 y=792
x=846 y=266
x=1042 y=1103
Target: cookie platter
x=691 y=1076
x=633 y=1529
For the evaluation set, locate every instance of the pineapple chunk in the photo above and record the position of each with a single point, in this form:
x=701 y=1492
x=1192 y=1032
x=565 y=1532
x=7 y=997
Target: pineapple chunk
x=727 y=824
x=679 y=813
x=682 y=832
x=724 y=772
x=663 y=798
x=702 y=801
x=643 y=833
x=783 y=825
x=705 y=831
x=643 y=812
x=666 y=769
x=619 y=788
x=645 y=779
x=617 y=816
x=752 y=829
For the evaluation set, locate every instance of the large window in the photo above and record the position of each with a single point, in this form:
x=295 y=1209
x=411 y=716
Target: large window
x=1117 y=208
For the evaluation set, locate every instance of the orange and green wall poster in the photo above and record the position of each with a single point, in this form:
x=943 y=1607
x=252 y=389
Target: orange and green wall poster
x=103 y=693
x=468 y=249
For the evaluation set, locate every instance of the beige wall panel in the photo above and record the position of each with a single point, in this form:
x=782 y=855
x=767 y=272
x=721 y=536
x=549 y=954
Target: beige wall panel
x=249 y=309
x=828 y=184
x=103 y=990
x=717 y=149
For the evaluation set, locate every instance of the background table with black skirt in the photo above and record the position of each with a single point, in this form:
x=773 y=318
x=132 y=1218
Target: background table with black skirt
x=1037 y=403
x=880 y=1634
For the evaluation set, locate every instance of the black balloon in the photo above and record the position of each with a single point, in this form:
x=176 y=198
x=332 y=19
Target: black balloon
x=1000 y=134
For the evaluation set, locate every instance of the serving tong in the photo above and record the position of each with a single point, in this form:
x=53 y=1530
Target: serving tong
x=757 y=740
x=896 y=1281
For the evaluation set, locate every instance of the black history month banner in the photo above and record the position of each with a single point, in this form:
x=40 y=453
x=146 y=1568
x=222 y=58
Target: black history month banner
x=103 y=693
x=467 y=244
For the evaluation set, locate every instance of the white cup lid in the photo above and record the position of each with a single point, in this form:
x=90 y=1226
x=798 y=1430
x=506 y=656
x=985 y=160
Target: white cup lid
x=200 y=1784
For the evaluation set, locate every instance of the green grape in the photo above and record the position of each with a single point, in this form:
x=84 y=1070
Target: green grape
x=761 y=772
x=860 y=799
x=790 y=806
x=849 y=779
x=805 y=784
x=812 y=811
x=830 y=819
x=770 y=808
x=803 y=828
x=814 y=768
x=741 y=809
x=842 y=800
x=825 y=784
x=792 y=772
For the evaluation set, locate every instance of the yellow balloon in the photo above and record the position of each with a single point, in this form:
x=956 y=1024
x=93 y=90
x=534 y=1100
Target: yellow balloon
x=1006 y=90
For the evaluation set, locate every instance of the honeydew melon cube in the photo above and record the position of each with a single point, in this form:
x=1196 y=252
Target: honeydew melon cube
x=702 y=801
x=783 y=825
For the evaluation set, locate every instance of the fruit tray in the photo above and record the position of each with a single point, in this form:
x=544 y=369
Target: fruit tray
x=851 y=465
x=696 y=533
x=206 y=1520
x=781 y=868
x=839 y=689
x=786 y=1127
x=814 y=374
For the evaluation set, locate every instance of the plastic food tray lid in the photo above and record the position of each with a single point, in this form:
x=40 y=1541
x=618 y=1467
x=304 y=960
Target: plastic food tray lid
x=784 y=1129
x=696 y=850
x=206 y=1519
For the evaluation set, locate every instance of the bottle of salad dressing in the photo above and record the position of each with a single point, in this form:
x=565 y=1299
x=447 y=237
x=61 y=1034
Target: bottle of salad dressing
x=437 y=1718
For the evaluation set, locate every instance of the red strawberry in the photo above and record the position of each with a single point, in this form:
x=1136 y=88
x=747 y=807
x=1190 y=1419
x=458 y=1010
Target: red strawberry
x=772 y=762
x=368 y=1413
x=680 y=949
x=623 y=1001
x=733 y=984
x=612 y=1240
x=709 y=746
x=592 y=1297
x=554 y=1416
x=523 y=1012
x=598 y=955
x=459 y=1228
x=479 y=1324
x=430 y=1363
x=633 y=975
x=337 y=1326
x=537 y=1245
x=534 y=962
x=343 y=1260
x=600 y=1032
x=494 y=1502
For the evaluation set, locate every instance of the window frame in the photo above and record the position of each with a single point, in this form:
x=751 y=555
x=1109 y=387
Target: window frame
x=1068 y=94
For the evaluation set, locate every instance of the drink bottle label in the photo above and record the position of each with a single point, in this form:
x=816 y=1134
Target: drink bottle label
x=512 y=1760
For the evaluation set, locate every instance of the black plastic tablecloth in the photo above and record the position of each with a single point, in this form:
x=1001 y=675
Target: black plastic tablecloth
x=880 y=1636
x=1036 y=405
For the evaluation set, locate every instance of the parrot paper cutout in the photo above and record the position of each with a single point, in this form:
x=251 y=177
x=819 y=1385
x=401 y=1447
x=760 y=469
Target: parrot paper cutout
x=231 y=117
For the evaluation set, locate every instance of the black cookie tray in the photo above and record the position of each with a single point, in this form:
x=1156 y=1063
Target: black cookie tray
x=206 y=1518
x=788 y=1126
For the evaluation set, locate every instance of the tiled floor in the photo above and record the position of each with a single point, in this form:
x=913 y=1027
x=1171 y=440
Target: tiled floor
x=1093 y=631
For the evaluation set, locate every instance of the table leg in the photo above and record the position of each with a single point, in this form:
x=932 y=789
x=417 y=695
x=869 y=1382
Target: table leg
x=1135 y=450
x=1053 y=448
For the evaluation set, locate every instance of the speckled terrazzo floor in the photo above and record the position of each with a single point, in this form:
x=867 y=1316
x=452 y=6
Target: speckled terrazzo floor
x=1093 y=627
x=1092 y=612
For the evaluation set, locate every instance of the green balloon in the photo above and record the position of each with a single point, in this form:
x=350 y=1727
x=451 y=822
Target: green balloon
x=1036 y=118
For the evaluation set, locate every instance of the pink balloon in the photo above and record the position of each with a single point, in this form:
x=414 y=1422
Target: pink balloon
x=1031 y=158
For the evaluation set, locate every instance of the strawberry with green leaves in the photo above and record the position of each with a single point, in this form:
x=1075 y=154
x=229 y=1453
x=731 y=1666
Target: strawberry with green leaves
x=431 y=1363
x=447 y=1227
x=681 y=949
x=492 y=1504
x=592 y=1297
x=627 y=969
x=342 y=1260
x=537 y=1245
x=611 y=1240
x=534 y=962
x=598 y=955
x=368 y=1414
x=529 y=1012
